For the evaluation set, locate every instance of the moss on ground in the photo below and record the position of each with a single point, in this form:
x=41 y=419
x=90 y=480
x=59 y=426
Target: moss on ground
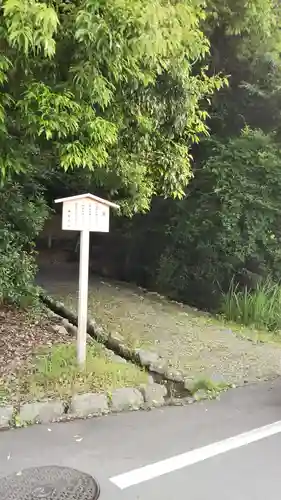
x=53 y=372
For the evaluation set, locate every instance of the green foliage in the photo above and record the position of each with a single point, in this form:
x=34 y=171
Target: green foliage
x=229 y=223
x=245 y=18
x=205 y=388
x=246 y=40
x=17 y=271
x=106 y=86
x=98 y=94
x=114 y=97
x=260 y=307
x=55 y=373
x=22 y=216
x=30 y=26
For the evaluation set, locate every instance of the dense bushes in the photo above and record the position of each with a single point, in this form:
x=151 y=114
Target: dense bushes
x=97 y=90
x=227 y=227
x=229 y=223
x=226 y=230
x=95 y=97
x=22 y=215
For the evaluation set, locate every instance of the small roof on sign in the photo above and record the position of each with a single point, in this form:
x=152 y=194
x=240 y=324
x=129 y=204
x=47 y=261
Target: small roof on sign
x=88 y=195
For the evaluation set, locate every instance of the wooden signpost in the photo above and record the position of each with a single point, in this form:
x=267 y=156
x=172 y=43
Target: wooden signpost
x=85 y=213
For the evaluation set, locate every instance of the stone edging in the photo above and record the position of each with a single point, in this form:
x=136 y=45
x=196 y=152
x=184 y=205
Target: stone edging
x=166 y=386
x=148 y=360
x=145 y=397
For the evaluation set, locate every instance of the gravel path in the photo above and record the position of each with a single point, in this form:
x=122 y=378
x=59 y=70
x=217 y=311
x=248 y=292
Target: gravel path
x=190 y=340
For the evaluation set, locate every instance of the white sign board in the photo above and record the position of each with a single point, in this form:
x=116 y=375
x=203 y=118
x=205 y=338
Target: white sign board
x=85 y=214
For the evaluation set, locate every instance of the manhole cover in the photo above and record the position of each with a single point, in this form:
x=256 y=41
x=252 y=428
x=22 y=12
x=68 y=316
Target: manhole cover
x=49 y=483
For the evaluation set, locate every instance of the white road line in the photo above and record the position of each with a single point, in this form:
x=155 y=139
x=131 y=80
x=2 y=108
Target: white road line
x=177 y=462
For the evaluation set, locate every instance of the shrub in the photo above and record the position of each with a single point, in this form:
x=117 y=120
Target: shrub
x=22 y=216
x=229 y=223
x=260 y=307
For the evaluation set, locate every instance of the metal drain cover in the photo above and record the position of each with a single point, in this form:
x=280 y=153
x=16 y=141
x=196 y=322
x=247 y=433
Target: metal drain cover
x=49 y=483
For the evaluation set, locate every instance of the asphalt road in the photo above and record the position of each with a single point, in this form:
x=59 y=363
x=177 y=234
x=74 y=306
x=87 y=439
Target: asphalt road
x=109 y=447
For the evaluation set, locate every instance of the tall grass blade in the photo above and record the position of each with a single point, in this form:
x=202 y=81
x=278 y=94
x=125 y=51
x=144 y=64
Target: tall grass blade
x=260 y=307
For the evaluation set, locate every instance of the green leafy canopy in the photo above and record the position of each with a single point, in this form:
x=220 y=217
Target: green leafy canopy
x=116 y=87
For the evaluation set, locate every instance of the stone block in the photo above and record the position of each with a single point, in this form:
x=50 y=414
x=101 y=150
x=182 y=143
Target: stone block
x=175 y=375
x=147 y=357
x=72 y=329
x=159 y=367
x=83 y=405
x=154 y=394
x=150 y=379
x=65 y=323
x=60 y=330
x=6 y=415
x=117 y=337
x=126 y=398
x=41 y=412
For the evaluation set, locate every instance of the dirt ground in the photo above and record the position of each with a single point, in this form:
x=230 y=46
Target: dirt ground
x=195 y=342
x=21 y=335
x=38 y=360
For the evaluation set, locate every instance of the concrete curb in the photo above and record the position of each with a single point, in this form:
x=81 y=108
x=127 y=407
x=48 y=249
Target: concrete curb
x=87 y=405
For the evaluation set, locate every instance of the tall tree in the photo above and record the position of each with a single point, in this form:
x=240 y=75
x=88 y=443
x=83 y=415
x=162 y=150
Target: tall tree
x=109 y=86
x=227 y=225
x=245 y=42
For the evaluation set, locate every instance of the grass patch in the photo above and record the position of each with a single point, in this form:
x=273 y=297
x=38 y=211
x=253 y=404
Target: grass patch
x=260 y=308
x=209 y=387
x=54 y=373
